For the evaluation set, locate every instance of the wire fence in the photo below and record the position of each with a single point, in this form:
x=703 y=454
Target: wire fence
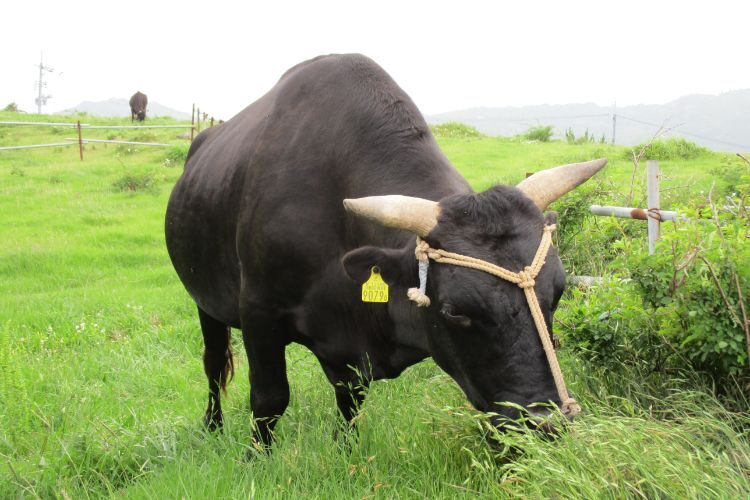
x=195 y=126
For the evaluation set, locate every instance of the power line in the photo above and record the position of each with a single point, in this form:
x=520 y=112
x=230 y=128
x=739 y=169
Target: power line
x=527 y=118
x=697 y=136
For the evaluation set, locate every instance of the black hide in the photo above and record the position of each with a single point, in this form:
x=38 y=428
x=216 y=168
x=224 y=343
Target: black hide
x=258 y=234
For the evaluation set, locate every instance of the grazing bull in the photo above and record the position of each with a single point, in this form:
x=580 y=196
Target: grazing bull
x=138 y=104
x=258 y=234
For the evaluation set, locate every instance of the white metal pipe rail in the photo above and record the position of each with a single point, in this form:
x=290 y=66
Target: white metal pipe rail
x=6 y=148
x=118 y=142
x=634 y=213
x=87 y=126
x=48 y=124
x=90 y=127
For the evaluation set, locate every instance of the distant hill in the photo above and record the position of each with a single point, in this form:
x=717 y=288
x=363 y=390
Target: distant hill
x=121 y=107
x=720 y=122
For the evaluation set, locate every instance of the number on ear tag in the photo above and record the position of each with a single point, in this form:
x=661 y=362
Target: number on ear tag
x=375 y=289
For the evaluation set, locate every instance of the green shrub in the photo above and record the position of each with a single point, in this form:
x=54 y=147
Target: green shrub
x=136 y=182
x=585 y=241
x=698 y=282
x=683 y=310
x=735 y=175
x=455 y=129
x=176 y=155
x=608 y=326
x=674 y=148
x=542 y=133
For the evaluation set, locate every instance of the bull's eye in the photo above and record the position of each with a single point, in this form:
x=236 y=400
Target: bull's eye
x=457 y=319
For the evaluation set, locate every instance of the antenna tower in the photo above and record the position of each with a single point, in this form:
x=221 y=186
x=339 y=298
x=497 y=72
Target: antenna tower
x=41 y=99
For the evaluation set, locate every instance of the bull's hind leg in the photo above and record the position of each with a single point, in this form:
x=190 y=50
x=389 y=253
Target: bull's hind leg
x=218 y=365
x=265 y=343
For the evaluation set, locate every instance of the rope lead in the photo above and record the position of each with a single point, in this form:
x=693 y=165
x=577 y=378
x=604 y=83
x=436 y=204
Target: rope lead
x=524 y=279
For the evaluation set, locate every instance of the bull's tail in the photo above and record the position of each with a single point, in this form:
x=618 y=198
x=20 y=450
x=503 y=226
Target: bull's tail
x=227 y=373
x=218 y=361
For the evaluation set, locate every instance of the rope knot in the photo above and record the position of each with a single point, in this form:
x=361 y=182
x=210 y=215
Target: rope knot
x=420 y=251
x=570 y=408
x=419 y=297
x=527 y=278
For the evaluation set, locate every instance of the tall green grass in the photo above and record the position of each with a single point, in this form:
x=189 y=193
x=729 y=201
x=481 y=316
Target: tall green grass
x=102 y=387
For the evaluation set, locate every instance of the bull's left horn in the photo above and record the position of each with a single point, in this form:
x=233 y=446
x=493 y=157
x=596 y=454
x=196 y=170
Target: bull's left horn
x=402 y=212
x=548 y=185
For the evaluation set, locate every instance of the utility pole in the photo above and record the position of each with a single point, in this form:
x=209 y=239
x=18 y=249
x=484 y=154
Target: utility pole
x=42 y=99
x=614 y=122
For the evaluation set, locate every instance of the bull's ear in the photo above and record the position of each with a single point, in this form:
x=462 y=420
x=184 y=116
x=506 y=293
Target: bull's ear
x=359 y=262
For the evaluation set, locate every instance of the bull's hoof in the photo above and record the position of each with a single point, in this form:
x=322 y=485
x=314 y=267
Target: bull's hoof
x=344 y=435
x=213 y=422
x=257 y=450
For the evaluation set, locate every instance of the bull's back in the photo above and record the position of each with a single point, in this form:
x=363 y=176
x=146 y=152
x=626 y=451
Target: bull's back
x=201 y=219
x=260 y=201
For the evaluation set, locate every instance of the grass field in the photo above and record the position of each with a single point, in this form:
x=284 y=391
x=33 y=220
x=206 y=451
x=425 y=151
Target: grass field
x=102 y=387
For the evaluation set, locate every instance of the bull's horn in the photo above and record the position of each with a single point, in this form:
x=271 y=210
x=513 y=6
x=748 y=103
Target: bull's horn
x=548 y=185
x=402 y=212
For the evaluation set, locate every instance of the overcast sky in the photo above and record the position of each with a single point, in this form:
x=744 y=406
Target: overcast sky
x=447 y=55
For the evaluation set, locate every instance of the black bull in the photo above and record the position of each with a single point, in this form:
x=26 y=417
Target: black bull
x=138 y=104
x=258 y=234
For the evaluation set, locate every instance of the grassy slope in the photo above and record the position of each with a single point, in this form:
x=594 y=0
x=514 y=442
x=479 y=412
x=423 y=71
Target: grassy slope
x=102 y=386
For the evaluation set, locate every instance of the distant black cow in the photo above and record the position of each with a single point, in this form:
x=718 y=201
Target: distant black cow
x=138 y=104
x=285 y=210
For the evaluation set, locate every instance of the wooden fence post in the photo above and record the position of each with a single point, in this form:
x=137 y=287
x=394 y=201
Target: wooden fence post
x=80 y=141
x=654 y=218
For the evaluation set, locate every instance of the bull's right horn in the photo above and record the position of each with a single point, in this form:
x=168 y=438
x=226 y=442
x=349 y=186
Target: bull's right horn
x=548 y=185
x=416 y=215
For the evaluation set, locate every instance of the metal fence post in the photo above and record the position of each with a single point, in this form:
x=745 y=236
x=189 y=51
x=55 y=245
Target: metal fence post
x=80 y=141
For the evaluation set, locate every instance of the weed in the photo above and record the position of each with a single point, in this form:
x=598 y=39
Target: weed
x=455 y=129
x=126 y=149
x=674 y=148
x=542 y=133
x=144 y=137
x=134 y=183
x=176 y=155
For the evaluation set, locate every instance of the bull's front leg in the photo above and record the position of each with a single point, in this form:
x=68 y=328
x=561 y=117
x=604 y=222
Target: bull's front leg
x=350 y=387
x=349 y=398
x=269 y=388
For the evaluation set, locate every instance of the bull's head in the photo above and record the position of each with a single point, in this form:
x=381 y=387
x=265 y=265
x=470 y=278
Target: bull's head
x=479 y=328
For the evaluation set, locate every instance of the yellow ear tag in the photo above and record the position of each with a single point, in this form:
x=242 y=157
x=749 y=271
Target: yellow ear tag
x=375 y=289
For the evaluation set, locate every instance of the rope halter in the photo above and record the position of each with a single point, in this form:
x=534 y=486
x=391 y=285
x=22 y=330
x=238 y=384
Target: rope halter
x=524 y=279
